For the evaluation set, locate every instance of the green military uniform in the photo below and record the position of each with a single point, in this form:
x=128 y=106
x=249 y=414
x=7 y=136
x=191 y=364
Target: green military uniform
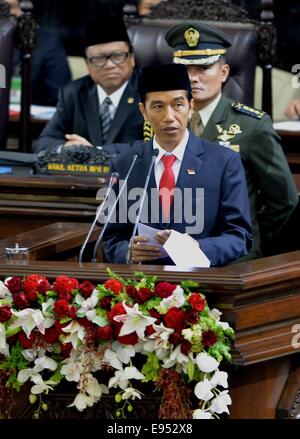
x=272 y=192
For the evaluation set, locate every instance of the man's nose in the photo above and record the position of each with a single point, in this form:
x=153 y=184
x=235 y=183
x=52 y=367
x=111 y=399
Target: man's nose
x=169 y=114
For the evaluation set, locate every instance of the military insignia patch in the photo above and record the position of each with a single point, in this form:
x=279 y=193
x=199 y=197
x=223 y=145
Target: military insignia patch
x=226 y=135
x=191 y=36
x=258 y=114
x=130 y=100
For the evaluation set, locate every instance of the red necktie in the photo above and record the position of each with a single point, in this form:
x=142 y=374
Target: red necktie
x=166 y=184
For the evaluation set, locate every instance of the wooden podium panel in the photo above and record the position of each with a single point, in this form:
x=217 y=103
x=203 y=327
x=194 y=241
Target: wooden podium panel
x=29 y=201
x=260 y=299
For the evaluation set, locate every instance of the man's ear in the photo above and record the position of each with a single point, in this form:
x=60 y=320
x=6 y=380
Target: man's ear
x=225 y=70
x=143 y=111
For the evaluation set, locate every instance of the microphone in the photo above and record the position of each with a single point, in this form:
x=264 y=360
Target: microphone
x=138 y=216
x=113 y=180
x=94 y=259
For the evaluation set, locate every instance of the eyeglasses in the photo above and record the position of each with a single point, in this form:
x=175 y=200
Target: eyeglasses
x=101 y=60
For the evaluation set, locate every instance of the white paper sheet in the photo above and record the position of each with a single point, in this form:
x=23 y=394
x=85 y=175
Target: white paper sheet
x=289 y=125
x=150 y=232
x=36 y=111
x=184 y=251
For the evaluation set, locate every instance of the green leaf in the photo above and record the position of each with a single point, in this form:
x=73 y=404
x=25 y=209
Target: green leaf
x=191 y=370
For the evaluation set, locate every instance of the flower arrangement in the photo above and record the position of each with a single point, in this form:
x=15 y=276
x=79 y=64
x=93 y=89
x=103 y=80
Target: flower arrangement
x=139 y=330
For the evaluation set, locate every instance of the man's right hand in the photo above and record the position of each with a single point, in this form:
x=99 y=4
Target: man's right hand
x=293 y=109
x=139 y=251
x=74 y=139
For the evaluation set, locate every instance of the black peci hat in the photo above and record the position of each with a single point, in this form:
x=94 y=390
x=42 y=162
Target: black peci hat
x=197 y=43
x=163 y=77
x=105 y=30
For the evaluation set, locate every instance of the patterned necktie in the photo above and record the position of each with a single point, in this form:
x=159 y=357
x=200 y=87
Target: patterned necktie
x=105 y=118
x=166 y=185
x=196 y=124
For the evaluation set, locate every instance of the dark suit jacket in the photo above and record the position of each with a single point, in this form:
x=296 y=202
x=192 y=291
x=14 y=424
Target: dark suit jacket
x=227 y=231
x=78 y=112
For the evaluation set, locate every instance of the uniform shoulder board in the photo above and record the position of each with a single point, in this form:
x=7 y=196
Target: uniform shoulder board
x=258 y=114
x=148 y=132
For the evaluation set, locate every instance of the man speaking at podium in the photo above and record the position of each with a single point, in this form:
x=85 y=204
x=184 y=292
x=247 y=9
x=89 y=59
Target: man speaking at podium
x=195 y=187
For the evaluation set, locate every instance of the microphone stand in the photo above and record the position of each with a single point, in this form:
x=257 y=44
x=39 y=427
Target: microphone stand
x=94 y=258
x=138 y=216
x=113 y=179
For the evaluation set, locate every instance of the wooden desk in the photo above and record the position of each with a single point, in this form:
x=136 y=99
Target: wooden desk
x=29 y=201
x=261 y=299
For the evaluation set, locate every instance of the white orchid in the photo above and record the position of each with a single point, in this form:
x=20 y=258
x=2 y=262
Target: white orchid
x=175 y=300
x=124 y=352
x=219 y=403
x=203 y=390
x=131 y=393
x=93 y=388
x=202 y=414
x=122 y=377
x=82 y=401
x=44 y=362
x=176 y=357
x=71 y=370
x=28 y=319
x=159 y=341
x=216 y=314
x=76 y=333
x=26 y=374
x=219 y=379
x=134 y=321
x=206 y=363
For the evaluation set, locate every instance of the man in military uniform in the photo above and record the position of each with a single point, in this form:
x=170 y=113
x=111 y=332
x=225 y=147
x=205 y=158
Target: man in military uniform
x=272 y=192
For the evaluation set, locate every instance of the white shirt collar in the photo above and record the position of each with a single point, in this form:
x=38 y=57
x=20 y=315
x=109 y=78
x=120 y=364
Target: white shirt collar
x=206 y=112
x=115 y=96
x=178 y=151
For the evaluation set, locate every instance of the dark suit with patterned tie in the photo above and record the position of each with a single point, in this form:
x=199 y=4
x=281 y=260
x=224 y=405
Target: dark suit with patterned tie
x=78 y=112
x=227 y=231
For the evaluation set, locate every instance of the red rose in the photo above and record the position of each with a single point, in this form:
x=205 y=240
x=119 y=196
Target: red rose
x=86 y=288
x=144 y=294
x=5 y=313
x=185 y=347
x=61 y=308
x=114 y=285
x=51 y=335
x=14 y=284
x=131 y=291
x=149 y=330
x=87 y=324
x=30 y=286
x=66 y=349
x=175 y=338
x=20 y=300
x=64 y=286
x=115 y=311
x=105 y=302
x=155 y=314
x=128 y=339
x=72 y=312
x=27 y=343
x=43 y=285
x=175 y=318
x=197 y=301
x=105 y=332
x=192 y=317
x=164 y=289
x=209 y=338
x=31 y=296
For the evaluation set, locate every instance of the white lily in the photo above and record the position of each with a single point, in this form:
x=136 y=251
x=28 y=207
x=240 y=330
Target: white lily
x=159 y=341
x=219 y=403
x=76 y=333
x=82 y=401
x=4 y=291
x=175 y=300
x=219 y=379
x=203 y=390
x=131 y=393
x=4 y=348
x=202 y=414
x=206 y=363
x=28 y=319
x=134 y=321
x=88 y=305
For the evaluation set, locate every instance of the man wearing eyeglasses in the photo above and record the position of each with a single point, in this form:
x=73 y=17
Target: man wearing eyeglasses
x=102 y=107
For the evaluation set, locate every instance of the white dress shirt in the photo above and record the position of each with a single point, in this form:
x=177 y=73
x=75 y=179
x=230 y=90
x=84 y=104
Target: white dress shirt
x=115 y=98
x=178 y=151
